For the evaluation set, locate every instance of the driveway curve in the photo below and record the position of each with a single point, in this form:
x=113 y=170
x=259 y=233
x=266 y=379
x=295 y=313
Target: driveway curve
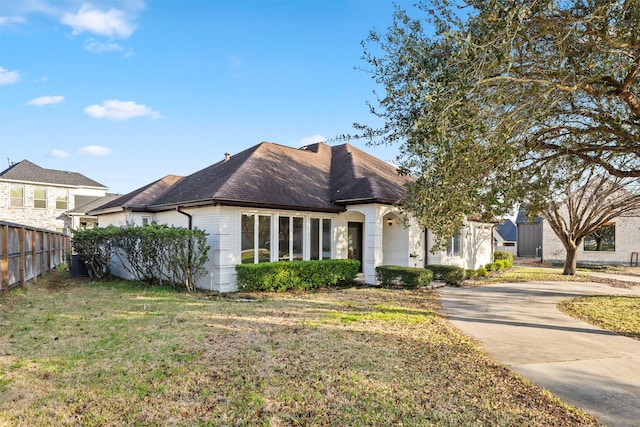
x=520 y=326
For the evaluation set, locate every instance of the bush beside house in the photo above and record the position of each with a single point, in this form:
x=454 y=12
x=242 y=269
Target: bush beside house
x=450 y=274
x=404 y=276
x=295 y=275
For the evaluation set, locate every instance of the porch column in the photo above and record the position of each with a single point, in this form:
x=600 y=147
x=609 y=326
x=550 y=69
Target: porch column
x=372 y=242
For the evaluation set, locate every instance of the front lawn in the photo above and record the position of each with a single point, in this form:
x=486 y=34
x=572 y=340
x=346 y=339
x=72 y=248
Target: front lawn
x=526 y=274
x=545 y=274
x=78 y=353
x=620 y=314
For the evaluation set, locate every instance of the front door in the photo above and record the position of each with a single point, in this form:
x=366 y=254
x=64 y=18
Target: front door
x=355 y=241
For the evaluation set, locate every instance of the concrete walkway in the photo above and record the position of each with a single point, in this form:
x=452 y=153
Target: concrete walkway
x=519 y=326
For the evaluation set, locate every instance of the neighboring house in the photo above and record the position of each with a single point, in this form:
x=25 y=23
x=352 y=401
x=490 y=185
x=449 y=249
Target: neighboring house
x=529 y=235
x=505 y=237
x=46 y=198
x=614 y=243
x=272 y=202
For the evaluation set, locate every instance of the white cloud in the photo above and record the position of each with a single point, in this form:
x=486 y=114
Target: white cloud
x=94 y=46
x=307 y=140
x=113 y=23
x=58 y=153
x=8 y=20
x=94 y=150
x=8 y=77
x=115 y=109
x=46 y=100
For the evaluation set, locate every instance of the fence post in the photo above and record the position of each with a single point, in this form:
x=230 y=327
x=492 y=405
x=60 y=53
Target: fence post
x=23 y=261
x=34 y=255
x=5 y=259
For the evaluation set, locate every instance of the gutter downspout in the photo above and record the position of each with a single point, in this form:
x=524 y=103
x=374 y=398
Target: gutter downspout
x=189 y=245
x=188 y=215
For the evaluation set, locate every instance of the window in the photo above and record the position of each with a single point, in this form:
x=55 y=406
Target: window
x=298 y=238
x=146 y=220
x=320 y=238
x=62 y=197
x=256 y=238
x=40 y=197
x=17 y=195
x=454 y=245
x=604 y=239
x=326 y=239
x=290 y=238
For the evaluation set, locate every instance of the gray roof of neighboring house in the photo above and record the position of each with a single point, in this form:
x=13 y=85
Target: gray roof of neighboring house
x=25 y=171
x=522 y=218
x=84 y=204
x=507 y=230
x=317 y=177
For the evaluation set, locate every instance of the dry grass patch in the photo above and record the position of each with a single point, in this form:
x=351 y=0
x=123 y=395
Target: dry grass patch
x=620 y=314
x=74 y=353
x=540 y=274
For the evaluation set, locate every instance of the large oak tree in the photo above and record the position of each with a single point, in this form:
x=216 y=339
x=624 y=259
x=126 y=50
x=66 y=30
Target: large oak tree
x=498 y=102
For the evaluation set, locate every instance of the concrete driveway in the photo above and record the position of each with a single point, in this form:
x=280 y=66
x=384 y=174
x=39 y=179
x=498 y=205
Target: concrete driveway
x=519 y=326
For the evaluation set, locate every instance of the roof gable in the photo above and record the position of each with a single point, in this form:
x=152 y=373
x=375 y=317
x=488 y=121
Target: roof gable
x=507 y=230
x=140 y=198
x=25 y=171
x=358 y=176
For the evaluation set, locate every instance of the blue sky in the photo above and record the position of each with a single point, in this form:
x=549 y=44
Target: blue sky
x=128 y=91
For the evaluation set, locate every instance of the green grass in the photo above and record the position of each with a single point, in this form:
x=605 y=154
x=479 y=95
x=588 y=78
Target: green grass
x=525 y=274
x=620 y=314
x=93 y=354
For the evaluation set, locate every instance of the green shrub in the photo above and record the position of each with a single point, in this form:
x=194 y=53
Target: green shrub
x=492 y=266
x=503 y=256
x=482 y=272
x=503 y=263
x=470 y=273
x=285 y=275
x=154 y=254
x=408 y=277
x=450 y=274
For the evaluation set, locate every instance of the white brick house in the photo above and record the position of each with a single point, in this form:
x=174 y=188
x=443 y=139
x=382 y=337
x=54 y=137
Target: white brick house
x=272 y=202
x=620 y=239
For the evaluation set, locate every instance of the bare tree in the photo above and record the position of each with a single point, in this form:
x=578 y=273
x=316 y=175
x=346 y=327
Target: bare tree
x=585 y=206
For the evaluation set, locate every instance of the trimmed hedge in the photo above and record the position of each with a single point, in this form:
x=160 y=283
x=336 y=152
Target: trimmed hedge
x=482 y=272
x=503 y=256
x=408 y=277
x=503 y=263
x=493 y=266
x=450 y=274
x=289 y=275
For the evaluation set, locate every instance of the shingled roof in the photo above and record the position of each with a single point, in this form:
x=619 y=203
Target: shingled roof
x=317 y=177
x=25 y=171
x=139 y=199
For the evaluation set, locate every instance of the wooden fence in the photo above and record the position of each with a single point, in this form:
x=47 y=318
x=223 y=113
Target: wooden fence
x=28 y=252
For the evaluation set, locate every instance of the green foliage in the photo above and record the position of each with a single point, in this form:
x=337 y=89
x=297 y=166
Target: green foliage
x=493 y=266
x=469 y=274
x=153 y=254
x=503 y=263
x=408 y=277
x=503 y=255
x=284 y=275
x=482 y=272
x=504 y=101
x=450 y=274
x=95 y=246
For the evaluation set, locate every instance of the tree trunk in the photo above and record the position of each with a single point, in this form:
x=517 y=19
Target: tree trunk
x=570 y=261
